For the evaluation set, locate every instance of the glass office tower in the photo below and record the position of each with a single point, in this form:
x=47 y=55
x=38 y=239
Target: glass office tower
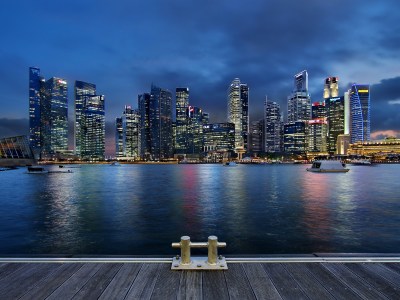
x=273 y=127
x=318 y=110
x=194 y=130
x=238 y=111
x=93 y=128
x=299 y=100
x=145 y=138
x=54 y=116
x=295 y=138
x=219 y=136
x=81 y=90
x=182 y=103
x=335 y=122
x=130 y=132
x=36 y=86
x=119 y=143
x=317 y=133
x=360 y=113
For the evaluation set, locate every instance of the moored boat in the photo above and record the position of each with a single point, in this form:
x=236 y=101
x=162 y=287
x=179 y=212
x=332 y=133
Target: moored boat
x=328 y=166
x=229 y=164
x=41 y=170
x=115 y=164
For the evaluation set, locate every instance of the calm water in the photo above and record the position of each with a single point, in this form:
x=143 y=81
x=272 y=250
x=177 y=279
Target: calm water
x=256 y=209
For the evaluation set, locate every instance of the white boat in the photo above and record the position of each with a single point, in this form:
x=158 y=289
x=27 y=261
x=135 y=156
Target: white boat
x=229 y=164
x=41 y=170
x=115 y=164
x=361 y=162
x=328 y=166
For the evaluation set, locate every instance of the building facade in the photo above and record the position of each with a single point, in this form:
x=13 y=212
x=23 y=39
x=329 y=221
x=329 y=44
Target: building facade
x=336 y=122
x=145 y=137
x=273 y=127
x=360 y=113
x=299 y=100
x=36 y=93
x=257 y=136
x=317 y=135
x=81 y=90
x=219 y=137
x=331 y=88
x=318 y=110
x=130 y=120
x=195 y=122
x=119 y=134
x=182 y=103
x=238 y=111
x=295 y=138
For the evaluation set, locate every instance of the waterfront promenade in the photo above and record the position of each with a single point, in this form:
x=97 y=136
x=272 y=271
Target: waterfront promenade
x=316 y=276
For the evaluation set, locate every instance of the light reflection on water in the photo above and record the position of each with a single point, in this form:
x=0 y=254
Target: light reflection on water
x=256 y=209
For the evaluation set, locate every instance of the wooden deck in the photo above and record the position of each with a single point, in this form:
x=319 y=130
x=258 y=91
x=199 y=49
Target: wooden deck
x=308 y=280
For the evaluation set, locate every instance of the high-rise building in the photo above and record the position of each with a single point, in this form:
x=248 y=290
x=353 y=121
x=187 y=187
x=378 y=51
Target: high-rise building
x=319 y=110
x=360 y=113
x=299 y=100
x=317 y=135
x=273 y=127
x=206 y=118
x=331 y=88
x=257 y=136
x=145 y=137
x=295 y=138
x=54 y=116
x=36 y=87
x=335 y=122
x=160 y=117
x=130 y=132
x=347 y=112
x=182 y=103
x=81 y=90
x=119 y=134
x=238 y=111
x=92 y=129
x=194 y=130
x=219 y=136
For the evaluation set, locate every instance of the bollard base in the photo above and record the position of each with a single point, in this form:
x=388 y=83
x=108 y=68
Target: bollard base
x=199 y=263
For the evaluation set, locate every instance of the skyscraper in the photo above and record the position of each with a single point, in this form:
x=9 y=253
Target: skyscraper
x=299 y=100
x=238 y=111
x=36 y=86
x=92 y=130
x=317 y=132
x=182 y=103
x=81 y=90
x=295 y=138
x=130 y=132
x=360 y=113
x=160 y=118
x=335 y=122
x=319 y=110
x=257 y=136
x=194 y=130
x=145 y=138
x=54 y=116
x=119 y=142
x=273 y=127
x=331 y=88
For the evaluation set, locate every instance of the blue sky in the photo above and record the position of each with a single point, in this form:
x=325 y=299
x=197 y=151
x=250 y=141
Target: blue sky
x=124 y=46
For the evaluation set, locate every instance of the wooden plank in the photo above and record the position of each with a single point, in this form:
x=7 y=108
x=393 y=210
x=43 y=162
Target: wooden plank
x=308 y=283
x=378 y=282
x=237 y=282
x=386 y=273
x=358 y=285
x=9 y=268
x=71 y=286
x=191 y=285
x=284 y=283
x=18 y=275
x=395 y=267
x=96 y=285
x=336 y=287
x=261 y=284
x=143 y=286
x=214 y=285
x=28 y=280
x=119 y=286
x=167 y=285
x=52 y=282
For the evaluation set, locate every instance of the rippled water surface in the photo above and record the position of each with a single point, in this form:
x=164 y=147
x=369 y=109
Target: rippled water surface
x=256 y=209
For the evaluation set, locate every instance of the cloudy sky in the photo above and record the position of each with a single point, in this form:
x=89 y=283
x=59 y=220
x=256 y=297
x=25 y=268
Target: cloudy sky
x=123 y=46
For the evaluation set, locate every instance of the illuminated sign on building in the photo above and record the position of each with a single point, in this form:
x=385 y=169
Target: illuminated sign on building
x=363 y=91
x=317 y=121
x=62 y=81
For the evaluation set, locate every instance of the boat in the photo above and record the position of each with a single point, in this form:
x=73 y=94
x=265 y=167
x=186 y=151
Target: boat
x=41 y=170
x=328 y=166
x=115 y=164
x=361 y=162
x=229 y=164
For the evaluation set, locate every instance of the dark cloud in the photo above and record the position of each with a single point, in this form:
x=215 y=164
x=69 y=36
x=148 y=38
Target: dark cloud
x=13 y=127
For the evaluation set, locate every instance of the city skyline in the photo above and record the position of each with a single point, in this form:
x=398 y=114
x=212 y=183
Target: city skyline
x=123 y=57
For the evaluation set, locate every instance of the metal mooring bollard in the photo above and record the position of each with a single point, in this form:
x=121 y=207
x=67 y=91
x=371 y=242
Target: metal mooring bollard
x=186 y=262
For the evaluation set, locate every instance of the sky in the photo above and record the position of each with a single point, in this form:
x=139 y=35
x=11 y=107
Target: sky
x=123 y=46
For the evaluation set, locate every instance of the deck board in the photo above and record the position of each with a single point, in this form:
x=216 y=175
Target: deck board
x=284 y=282
x=361 y=287
x=309 y=284
x=261 y=284
x=312 y=280
x=121 y=283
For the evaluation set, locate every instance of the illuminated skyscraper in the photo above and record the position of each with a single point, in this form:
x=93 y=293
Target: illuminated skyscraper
x=331 y=88
x=54 y=116
x=360 y=113
x=81 y=90
x=238 y=111
x=257 y=136
x=273 y=130
x=295 y=138
x=319 y=110
x=145 y=138
x=194 y=130
x=335 y=122
x=182 y=103
x=299 y=100
x=92 y=128
x=119 y=142
x=317 y=135
x=36 y=87
x=130 y=132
